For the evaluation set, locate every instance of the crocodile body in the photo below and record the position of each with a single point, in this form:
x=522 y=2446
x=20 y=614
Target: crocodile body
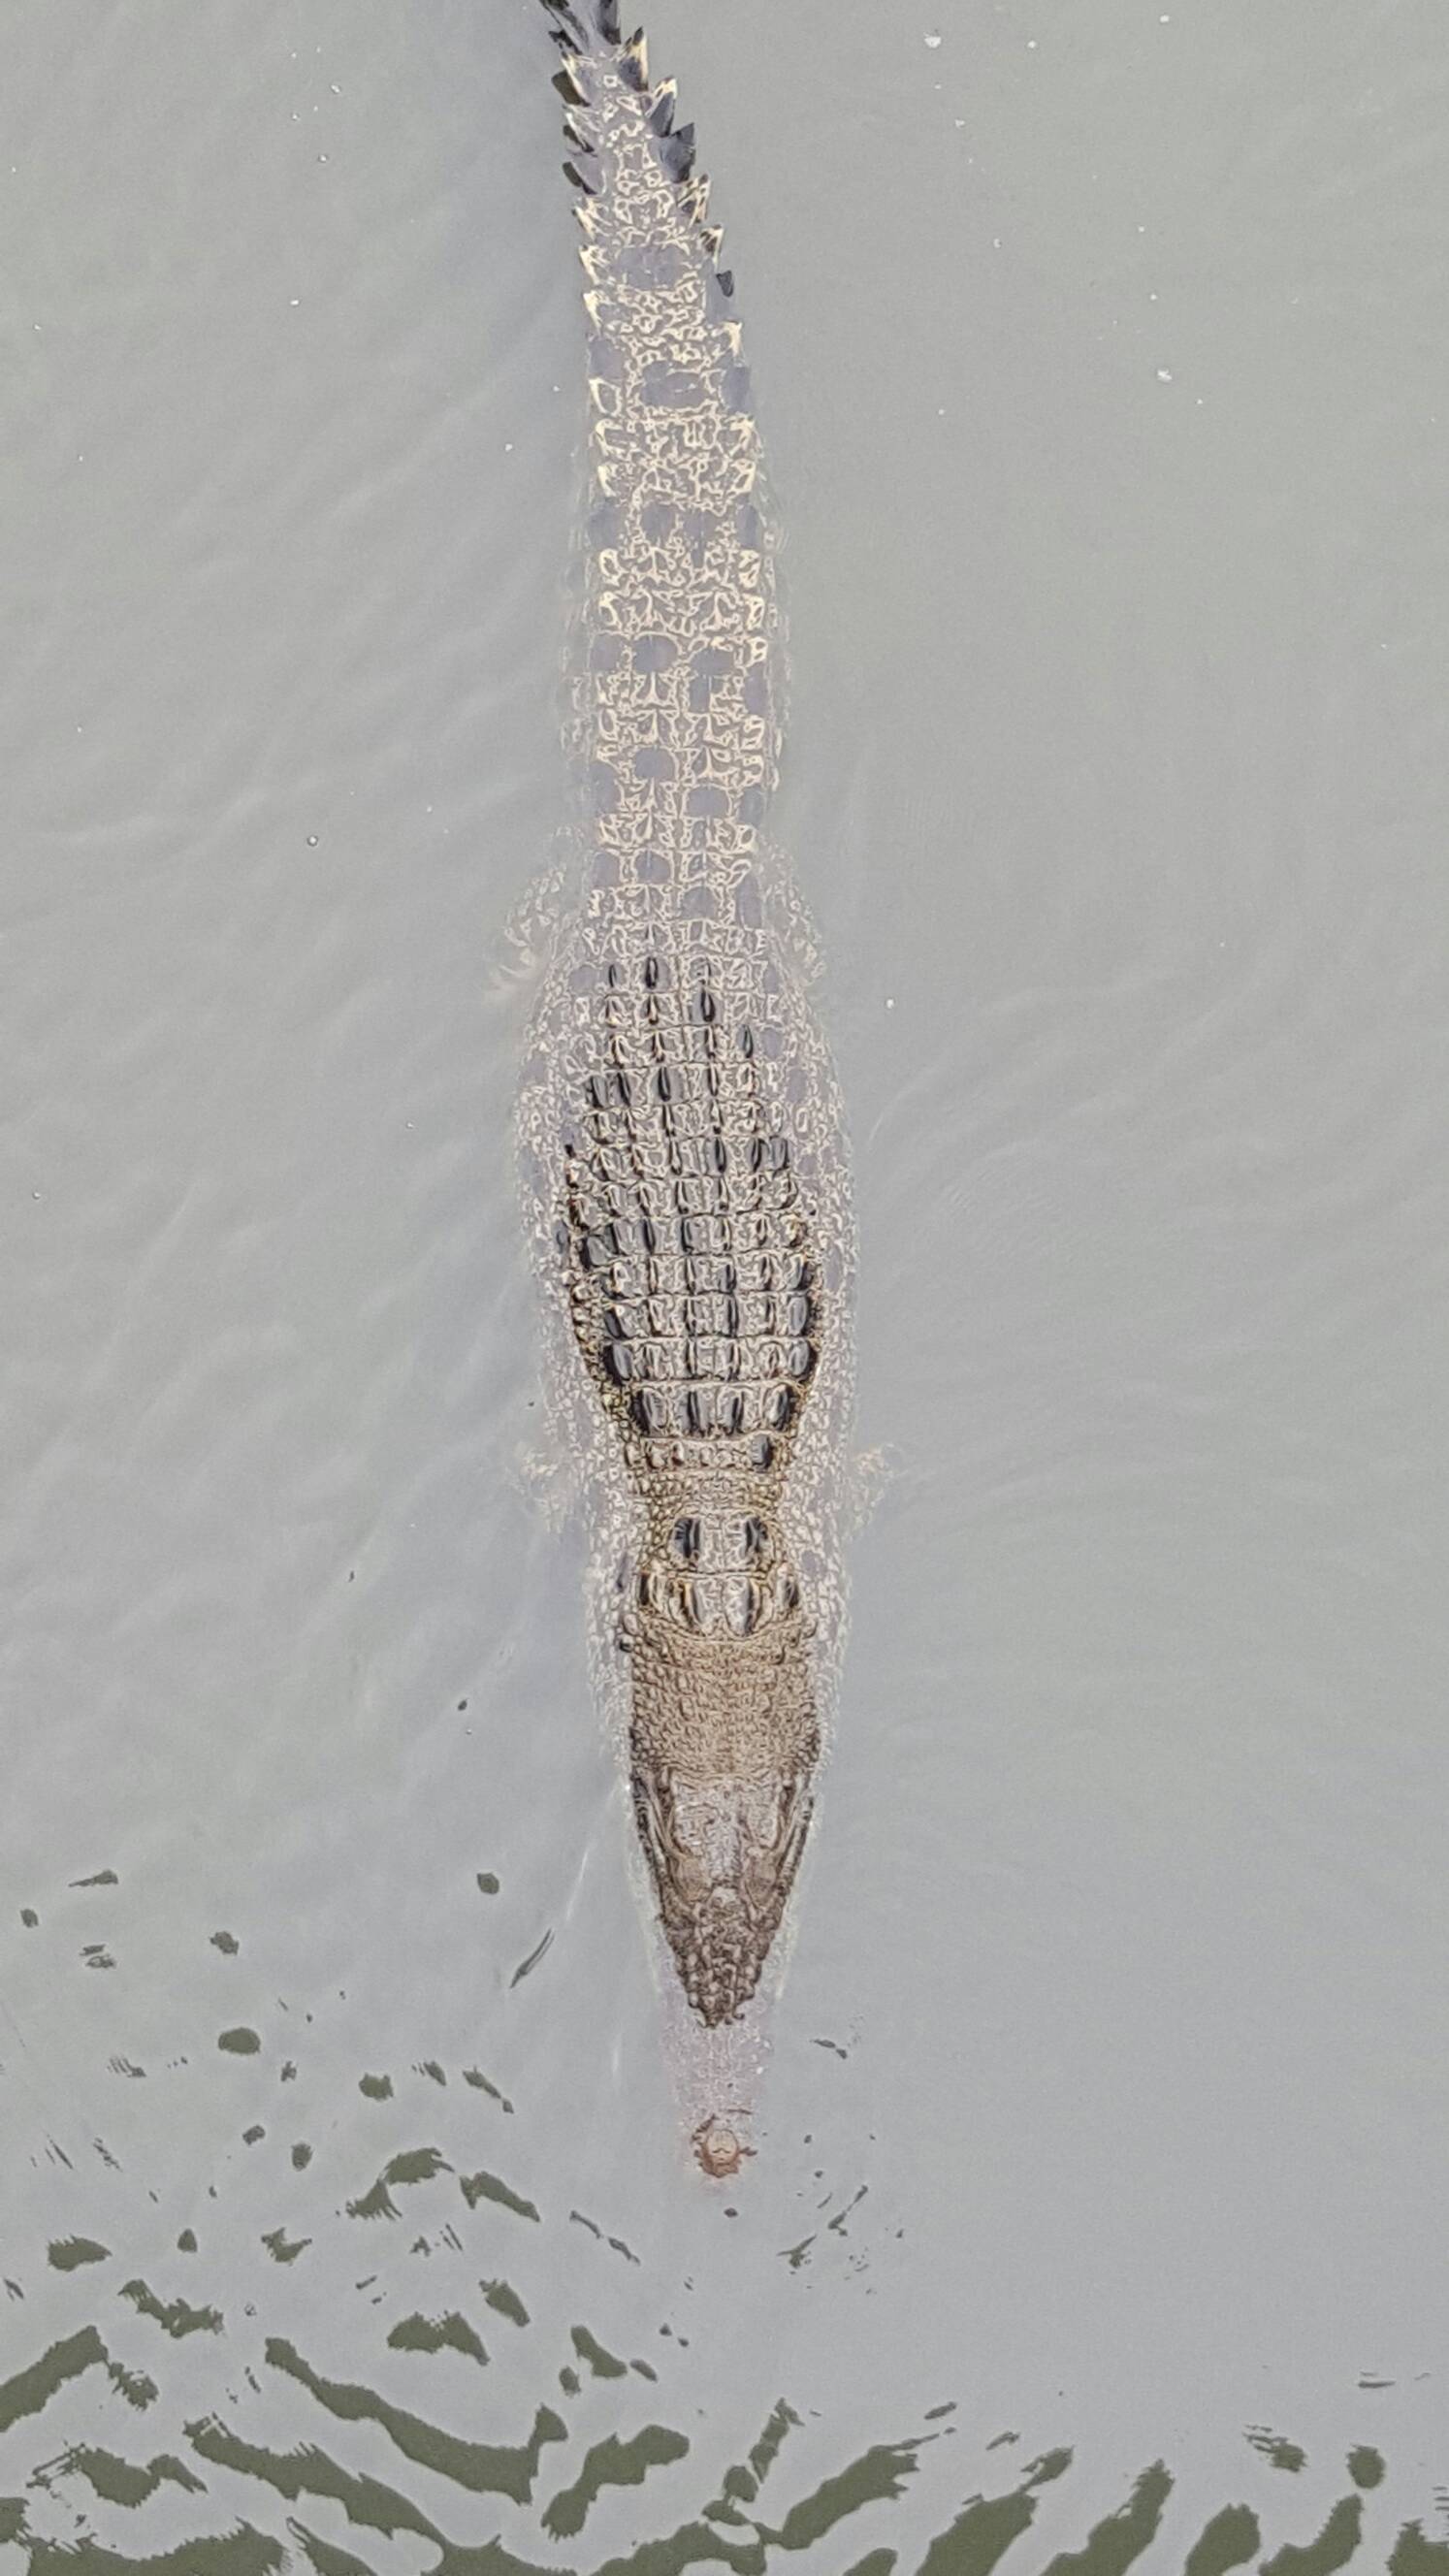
x=681 y=1134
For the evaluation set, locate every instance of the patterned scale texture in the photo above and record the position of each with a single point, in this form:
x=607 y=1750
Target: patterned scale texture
x=682 y=1148
x=694 y=1294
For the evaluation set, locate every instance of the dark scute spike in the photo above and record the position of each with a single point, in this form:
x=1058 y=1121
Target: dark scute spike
x=568 y=88
x=607 y=14
x=576 y=179
x=565 y=30
x=726 y=278
x=661 y=116
x=677 y=153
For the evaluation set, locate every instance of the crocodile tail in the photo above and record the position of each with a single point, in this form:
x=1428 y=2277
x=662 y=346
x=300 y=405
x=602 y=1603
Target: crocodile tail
x=599 y=60
x=678 y=704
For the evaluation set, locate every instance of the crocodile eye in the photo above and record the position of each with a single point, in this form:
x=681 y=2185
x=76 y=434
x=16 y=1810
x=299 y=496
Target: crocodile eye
x=760 y=1879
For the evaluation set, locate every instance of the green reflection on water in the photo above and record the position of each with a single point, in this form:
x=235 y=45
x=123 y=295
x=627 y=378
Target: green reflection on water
x=1415 y=2556
x=67 y=2253
x=986 y=2528
x=449 y=2333
x=504 y=2301
x=1333 y=2547
x=1125 y=2534
x=324 y=2559
x=486 y=2186
x=309 y=2471
x=175 y=2317
x=482 y=2467
x=74 y=2469
x=602 y=2364
x=611 y=2463
x=879 y=2476
x=1230 y=2540
x=31 y=2390
x=413 y=2165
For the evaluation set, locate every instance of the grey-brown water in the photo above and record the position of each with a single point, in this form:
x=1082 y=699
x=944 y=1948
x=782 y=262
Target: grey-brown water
x=1098 y=2216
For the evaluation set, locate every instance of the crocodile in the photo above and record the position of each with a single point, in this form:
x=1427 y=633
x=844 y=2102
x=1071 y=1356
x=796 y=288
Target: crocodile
x=682 y=1143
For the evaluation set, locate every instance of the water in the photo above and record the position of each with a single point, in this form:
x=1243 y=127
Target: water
x=1108 y=2105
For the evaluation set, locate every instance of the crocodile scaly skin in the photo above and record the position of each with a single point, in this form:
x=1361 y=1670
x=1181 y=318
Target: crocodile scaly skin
x=681 y=1135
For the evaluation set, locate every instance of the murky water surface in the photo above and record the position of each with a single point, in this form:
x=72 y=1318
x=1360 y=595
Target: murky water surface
x=1099 y=2215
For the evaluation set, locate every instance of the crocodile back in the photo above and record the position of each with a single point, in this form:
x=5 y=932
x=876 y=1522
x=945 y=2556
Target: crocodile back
x=694 y=1291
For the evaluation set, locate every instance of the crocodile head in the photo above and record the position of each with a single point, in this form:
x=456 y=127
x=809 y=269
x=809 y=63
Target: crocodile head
x=724 y=1744
x=723 y=1859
